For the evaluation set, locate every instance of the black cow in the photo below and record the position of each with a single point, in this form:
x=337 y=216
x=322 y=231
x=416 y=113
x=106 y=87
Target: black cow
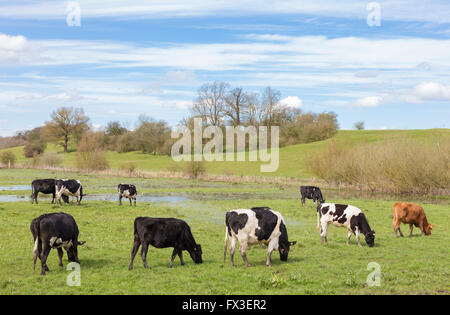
x=346 y=216
x=68 y=187
x=311 y=192
x=45 y=186
x=162 y=233
x=54 y=230
x=256 y=225
x=127 y=191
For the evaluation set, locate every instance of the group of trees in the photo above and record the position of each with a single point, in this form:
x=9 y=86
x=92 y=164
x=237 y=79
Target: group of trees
x=220 y=105
x=216 y=103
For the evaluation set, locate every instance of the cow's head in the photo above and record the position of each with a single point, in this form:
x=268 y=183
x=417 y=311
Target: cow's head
x=370 y=238
x=72 y=253
x=196 y=254
x=284 y=249
x=428 y=229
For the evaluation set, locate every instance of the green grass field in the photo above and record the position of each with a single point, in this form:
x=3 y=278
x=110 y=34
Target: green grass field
x=291 y=157
x=416 y=265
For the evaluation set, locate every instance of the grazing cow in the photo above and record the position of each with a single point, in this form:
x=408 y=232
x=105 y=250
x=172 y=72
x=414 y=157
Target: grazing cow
x=54 y=230
x=127 y=191
x=347 y=216
x=45 y=186
x=256 y=225
x=311 y=192
x=163 y=233
x=412 y=214
x=68 y=187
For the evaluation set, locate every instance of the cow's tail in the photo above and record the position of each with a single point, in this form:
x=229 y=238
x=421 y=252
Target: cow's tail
x=225 y=244
x=32 y=193
x=36 y=232
x=318 y=217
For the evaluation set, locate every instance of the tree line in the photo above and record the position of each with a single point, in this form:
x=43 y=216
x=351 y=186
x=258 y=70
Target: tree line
x=217 y=103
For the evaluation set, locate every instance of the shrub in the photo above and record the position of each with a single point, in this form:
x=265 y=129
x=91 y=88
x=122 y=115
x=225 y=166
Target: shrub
x=130 y=167
x=90 y=155
x=8 y=158
x=50 y=159
x=34 y=148
x=195 y=168
x=396 y=166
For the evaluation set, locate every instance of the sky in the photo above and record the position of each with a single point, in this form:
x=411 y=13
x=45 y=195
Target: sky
x=386 y=63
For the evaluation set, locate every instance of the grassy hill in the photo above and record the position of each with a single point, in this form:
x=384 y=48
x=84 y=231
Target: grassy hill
x=291 y=157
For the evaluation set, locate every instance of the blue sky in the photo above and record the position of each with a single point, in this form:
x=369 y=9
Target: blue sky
x=150 y=57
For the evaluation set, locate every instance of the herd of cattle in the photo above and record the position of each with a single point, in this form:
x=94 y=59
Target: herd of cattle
x=258 y=225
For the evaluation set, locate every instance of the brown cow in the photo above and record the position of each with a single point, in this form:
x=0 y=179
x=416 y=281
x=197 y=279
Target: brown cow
x=412 y=214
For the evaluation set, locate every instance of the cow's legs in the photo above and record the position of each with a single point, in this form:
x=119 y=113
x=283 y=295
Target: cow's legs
x=53 y=198
x=130 y=201
x=120 y=199
x=232 y=248
x=242 y=250
x=357 y=234
x=144 y=251
x=323 y=232
x=174 y=254
x=303 y=201
x=135 y=202
x=60 y=256
x=397 y=228
x=44 y=255
x=134 y=251
x=270 y=249
x=349 y=234
x=411 y=227
x=180 y=254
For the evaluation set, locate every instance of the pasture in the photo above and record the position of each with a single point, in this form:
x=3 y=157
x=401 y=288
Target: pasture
x=416 y=265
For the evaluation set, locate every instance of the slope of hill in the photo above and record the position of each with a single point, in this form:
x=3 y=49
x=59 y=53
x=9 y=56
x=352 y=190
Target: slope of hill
x=291 y=162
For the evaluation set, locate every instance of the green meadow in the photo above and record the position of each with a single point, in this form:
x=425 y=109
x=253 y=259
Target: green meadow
x=291 y=164
x=409 y=265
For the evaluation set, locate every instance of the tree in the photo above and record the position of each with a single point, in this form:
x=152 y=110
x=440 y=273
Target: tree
x=115 y=128
x=8 y=158
x=35 y=144
x=359 y=125
x=210 y=102
x=151 y=135
x=65 y=123
x=236 y=106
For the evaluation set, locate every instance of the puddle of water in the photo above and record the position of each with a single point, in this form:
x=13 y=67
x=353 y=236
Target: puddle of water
x=101 y=197
x=142 y=198
x=15 y=187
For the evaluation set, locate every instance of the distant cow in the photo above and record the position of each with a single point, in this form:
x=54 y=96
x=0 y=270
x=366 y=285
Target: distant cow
x=162 y=233
x=347 y=216
x=311 y=192
x=412 y=214
x=45 y=186
x=127 y=191
x=256 y=225
x=68 y=187
x=54 y=230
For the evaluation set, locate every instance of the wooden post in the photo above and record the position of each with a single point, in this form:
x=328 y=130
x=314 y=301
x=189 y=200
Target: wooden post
x=9 y=163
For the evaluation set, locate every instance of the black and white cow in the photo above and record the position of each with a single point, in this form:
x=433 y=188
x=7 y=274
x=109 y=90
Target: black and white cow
x=258 y=225
x=347 y=216
x=311 y=192
x=127 y=191
x=68 y=187
x=163 y=233
x=54 y=230
x=45 y=186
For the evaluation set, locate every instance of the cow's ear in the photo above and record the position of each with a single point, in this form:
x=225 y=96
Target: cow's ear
x=373 y=231
x=293 y=243
x=431 y=226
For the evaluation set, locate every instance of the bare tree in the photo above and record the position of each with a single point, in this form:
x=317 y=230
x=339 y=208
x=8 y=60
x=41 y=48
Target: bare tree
x=270 y=99
x=210 y=102
x=236 y=106
x=66 y=122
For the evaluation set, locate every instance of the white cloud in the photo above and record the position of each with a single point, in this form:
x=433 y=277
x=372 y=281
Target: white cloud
x=17 y=49
x=432 y=91
x=400 y=10
x=369 y=101
x=367 y=74
x=292 y=101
